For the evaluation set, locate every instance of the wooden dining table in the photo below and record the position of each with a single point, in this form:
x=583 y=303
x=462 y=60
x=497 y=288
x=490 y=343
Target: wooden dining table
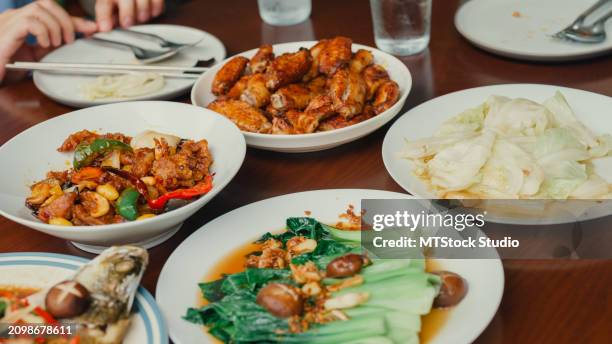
x=544 y=301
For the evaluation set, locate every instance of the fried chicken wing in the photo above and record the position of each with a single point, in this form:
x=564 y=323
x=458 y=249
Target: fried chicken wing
x=236 y=91
x=361 y=59
x=294 y=96
x=262 y=59
x=245 y=116
x=348 y=92
x=317 y=86
x=280 y=126
x=374 y=76
x=338 y=122
x=256 y=92
x=298 y=120
x=228 y=75
x=387 y=94
x=272 y=112
x=320 y=108
x=322 y=88
x=288 y=68
x=315 y=53
x=336 y=54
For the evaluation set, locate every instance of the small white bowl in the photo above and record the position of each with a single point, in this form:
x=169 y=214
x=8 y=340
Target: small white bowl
x=201 y=95
x=27 y=157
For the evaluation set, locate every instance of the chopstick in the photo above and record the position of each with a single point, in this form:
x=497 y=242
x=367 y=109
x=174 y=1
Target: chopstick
x=111 y=66
x=103 y=69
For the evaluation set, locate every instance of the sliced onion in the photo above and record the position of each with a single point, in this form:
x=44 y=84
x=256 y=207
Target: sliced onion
x=146 y=139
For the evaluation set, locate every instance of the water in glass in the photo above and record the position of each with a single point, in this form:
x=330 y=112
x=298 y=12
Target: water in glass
x=284 y=12
x=401 y=27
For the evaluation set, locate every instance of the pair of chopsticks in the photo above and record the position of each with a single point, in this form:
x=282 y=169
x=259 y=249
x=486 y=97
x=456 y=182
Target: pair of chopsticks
x=103 y=69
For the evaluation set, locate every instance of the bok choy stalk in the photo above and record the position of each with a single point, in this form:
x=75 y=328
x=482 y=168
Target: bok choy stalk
x=400 y=291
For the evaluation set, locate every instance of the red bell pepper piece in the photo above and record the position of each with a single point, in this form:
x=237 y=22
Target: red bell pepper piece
x=201 y=188
x=49 y=319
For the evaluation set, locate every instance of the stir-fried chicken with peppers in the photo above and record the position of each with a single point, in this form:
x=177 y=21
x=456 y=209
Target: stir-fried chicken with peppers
x=323 y=88
x=117 y=178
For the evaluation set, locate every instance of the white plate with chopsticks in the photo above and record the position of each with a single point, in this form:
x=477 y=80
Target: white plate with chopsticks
x=68 y=88
x=522 y=29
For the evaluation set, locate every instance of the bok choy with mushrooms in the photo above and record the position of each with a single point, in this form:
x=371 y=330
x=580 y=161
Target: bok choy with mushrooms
x=313 y=284
x=116 y=178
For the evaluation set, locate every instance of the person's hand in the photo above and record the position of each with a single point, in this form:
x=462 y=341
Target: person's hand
x=45 y=20
x=130 y=12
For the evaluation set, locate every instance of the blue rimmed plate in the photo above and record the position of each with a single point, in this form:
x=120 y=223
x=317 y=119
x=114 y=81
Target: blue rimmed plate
x=39 y=270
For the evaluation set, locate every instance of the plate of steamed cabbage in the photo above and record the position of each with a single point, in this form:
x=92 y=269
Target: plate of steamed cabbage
x=520 y=141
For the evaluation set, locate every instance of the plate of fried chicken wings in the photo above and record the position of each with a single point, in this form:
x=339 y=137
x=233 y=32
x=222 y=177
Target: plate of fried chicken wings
x=306 y=96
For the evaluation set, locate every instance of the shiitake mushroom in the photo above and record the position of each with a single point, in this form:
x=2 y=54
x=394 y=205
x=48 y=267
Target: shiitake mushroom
x=345 y=266
x=452 y=289
x=67 y=299
x=281 y=300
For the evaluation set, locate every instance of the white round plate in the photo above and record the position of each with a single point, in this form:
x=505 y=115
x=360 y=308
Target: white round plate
x=522 y=29
x=201 y=95
x=177 y=287
x=423 y=120
x=41 y=270
x=67 y=89
x=27 y=157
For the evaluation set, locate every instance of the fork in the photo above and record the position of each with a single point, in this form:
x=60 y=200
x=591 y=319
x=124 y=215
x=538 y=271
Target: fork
x=578 y=32
x=164 y=43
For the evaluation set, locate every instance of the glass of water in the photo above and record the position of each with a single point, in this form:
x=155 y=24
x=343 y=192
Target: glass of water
x=284 y=12
x=401 y=27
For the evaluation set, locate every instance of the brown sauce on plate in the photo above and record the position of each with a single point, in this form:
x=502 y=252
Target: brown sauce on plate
x=233 y=262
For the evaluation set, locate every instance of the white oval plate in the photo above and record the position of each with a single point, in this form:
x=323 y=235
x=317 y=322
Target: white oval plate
x=41 y=270
x=423 y=120
x=67 y=89
x=201 y=95
x=177 y=287
x=490 y=25
x=28 y=156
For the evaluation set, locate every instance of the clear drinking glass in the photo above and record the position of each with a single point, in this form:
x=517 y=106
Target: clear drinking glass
x=401 y=27
x=284 y=12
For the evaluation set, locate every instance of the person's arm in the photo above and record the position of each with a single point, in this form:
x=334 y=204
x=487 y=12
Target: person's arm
x=130 y=12
x=45 y=20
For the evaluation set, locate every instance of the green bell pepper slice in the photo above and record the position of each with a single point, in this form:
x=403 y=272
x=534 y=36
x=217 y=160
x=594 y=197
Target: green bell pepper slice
x=127 y=204
x=86 y=153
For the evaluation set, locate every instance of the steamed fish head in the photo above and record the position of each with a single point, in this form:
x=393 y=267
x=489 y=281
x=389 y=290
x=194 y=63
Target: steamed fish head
x=112 y=279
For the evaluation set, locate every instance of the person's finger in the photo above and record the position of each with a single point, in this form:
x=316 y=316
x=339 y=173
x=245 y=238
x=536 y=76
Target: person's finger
x=14 y=32
x=40 y=16
x=157 y=7
x=143 y=9
x=104 y=14
x=2 y=70
x=62 y=18
x=126 y=12
x=40 y=31
x=7 y=15
x=83 y=25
